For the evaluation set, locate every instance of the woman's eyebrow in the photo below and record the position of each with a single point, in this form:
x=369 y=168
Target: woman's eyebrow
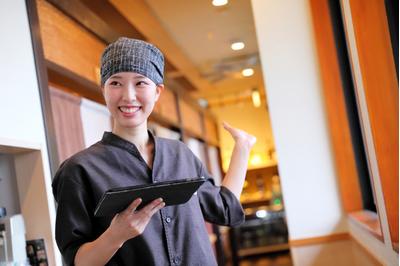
x=139 y=76
x=116 y=77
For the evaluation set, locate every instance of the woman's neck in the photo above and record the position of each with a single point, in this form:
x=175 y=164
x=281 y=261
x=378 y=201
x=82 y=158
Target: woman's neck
x=138 y=135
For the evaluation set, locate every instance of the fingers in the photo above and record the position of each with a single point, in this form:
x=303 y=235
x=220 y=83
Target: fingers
x=132 y=207
x=226 y=125
x=153 y=207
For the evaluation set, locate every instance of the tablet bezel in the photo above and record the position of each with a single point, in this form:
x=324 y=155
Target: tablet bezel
x=148 y=192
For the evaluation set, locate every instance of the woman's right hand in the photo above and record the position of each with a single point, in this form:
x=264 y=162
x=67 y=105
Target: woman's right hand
x=125 y=225
x=130 y=222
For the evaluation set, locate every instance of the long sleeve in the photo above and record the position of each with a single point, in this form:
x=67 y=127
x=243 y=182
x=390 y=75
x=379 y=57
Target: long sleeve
x=73 y=223
x=218 y=204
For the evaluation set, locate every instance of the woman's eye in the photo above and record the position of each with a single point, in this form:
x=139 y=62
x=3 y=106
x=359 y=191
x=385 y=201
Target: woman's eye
x=115 y=83
x=141 y=83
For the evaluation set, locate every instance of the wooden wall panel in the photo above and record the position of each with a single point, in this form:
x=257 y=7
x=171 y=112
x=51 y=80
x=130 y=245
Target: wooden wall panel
x=191 y=119
x=67 y=44
x=382 y=97
x=167 y=106
x=335 y=107
x=211 y=130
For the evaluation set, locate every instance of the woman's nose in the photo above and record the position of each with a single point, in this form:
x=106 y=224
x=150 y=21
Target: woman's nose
x=129 y=93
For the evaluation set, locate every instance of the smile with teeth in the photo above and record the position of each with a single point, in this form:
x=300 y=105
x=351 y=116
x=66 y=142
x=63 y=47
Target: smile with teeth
x=129 y=110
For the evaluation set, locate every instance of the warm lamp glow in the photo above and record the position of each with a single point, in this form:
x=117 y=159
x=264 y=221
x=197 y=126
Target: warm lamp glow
x=255 y=159
x=255 y=96
x=247 y=72
x=219 y=2
x=237 y=46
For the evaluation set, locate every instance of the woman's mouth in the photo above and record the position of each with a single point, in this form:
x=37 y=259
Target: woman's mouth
x=129 y=110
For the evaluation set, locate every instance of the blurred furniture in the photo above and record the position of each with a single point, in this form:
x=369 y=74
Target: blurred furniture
x=263 y=231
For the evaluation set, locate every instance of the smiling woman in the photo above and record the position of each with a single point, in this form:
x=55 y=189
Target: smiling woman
x=131 y=83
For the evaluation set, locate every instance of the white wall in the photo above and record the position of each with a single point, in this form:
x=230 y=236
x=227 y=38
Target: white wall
x=293 y=88
x=95 y=120
x=20 y=111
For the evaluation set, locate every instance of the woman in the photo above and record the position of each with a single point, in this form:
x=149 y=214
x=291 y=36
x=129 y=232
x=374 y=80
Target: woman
x=131 y=82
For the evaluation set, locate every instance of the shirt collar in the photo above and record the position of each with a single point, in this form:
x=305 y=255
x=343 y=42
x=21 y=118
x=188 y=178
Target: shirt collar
x=115 y=140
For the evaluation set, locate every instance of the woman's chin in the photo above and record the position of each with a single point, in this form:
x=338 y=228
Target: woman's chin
x=129 y=125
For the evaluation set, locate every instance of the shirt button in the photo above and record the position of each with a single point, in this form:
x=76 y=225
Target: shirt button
x=168 y=219
x=175 y=260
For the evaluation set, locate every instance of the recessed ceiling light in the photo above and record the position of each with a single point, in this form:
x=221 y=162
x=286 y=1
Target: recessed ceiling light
x=219 y=2
x=237 y=46
x=247 y=72
x=202 y=102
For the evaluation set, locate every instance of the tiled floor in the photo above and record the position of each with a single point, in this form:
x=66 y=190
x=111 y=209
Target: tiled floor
x=337 y=253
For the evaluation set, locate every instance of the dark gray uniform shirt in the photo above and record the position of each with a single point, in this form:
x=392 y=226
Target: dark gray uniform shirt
x=176 y=235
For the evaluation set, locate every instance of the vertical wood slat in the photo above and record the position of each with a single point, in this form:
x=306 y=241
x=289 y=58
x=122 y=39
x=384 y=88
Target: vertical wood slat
x=191 y=119
x=335 y=107
x=211 y=130
x=382 y=98
x=167 y=106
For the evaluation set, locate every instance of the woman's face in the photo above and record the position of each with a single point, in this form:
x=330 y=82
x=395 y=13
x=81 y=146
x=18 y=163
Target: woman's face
x=130 y=98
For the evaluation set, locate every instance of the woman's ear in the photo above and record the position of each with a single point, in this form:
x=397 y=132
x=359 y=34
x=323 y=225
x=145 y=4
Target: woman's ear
x=159 y=89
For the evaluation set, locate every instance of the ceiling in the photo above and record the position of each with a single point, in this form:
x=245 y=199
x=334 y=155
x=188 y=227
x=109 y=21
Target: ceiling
x=203 y=33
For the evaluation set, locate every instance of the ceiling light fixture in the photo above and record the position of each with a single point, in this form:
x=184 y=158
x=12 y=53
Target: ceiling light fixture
x=219 y=2
x=247 y=72
x=237 y=46
x=202 y=102
x=255 y=96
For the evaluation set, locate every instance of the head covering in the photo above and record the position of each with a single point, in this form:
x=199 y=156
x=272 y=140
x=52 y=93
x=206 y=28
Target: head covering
x=132 y=55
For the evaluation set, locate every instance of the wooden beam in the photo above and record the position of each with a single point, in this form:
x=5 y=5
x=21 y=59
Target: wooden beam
x=61 y=76
x=112 y=19
x=377 y=88
x=78 y=11
x=68 y=44
x=110 y=15
x=339 y=130
x=141 y=17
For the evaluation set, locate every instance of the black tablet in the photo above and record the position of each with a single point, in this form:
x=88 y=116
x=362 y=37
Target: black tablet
x=175 y=192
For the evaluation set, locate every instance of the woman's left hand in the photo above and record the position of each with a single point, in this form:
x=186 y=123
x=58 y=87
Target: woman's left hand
x=241 y=137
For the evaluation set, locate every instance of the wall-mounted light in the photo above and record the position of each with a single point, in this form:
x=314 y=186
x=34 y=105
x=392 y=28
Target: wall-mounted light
x=247 y=72
x=255 y=96
x=219 y=2
x=237 y=46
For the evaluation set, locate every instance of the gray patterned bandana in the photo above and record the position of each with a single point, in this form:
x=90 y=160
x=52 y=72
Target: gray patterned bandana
x=131 y=55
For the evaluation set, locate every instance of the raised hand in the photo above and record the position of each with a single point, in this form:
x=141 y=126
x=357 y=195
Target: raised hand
x=236 y=173
x=240 y=136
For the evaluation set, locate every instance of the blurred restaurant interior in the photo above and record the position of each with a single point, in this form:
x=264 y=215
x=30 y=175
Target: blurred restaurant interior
x=316 y=81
